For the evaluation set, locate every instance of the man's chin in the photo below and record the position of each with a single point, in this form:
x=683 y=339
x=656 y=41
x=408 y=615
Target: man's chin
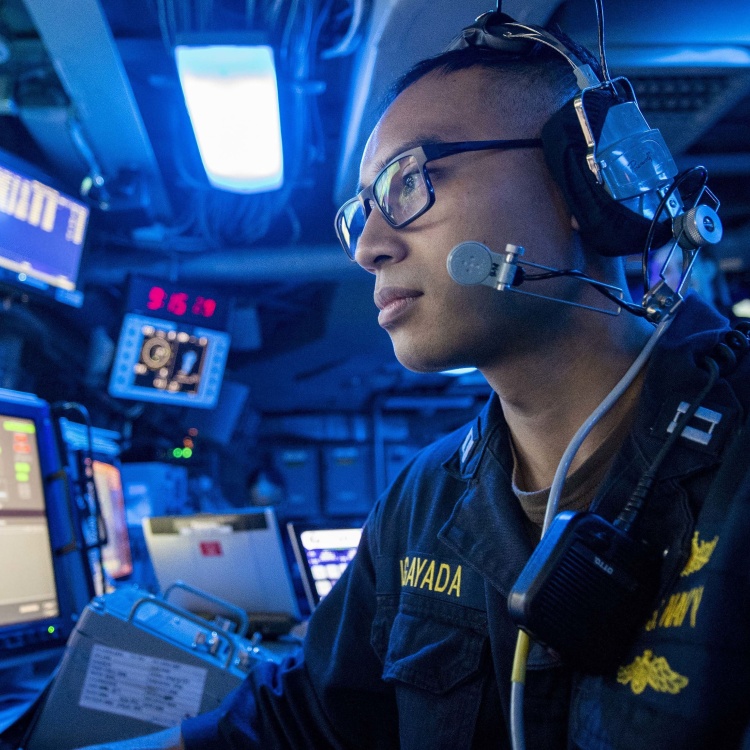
x=423 y=362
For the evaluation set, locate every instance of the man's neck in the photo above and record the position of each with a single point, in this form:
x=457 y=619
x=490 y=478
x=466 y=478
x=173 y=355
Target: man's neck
x=547 y=395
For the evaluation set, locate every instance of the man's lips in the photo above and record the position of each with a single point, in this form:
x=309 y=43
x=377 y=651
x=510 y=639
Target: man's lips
x=393 y=302
x=389 y=294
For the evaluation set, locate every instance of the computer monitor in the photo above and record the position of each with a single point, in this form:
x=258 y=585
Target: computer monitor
x=42 y=232
x=36 y=600
x=322 y=554
x=116 y=557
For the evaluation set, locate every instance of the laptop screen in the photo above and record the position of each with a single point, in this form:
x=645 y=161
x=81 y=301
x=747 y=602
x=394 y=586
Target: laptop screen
x=238 y=557
x=322 y=553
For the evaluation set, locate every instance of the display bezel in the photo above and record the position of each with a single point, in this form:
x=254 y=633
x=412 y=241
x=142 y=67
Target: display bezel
x=123 y=383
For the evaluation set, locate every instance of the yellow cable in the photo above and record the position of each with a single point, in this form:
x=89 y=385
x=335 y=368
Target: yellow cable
x=520 y=658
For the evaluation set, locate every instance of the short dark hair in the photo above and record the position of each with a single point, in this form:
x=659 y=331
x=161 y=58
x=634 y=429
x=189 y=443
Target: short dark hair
x=543 y=71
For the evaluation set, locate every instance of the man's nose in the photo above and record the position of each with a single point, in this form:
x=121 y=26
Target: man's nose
x=379 y=243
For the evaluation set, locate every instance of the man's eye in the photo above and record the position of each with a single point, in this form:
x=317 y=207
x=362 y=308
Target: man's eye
x=410 y=183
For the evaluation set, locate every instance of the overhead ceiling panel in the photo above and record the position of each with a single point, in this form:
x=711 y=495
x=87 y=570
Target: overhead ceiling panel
x=80 y=44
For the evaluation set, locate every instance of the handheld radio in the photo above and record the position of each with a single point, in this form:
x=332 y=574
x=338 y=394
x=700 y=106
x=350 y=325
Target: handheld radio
x=585 y=590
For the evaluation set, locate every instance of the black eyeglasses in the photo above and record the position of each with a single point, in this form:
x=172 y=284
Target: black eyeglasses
x=403 y=191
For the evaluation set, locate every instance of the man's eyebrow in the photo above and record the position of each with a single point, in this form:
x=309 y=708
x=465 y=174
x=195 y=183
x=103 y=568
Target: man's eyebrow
x=422 y=140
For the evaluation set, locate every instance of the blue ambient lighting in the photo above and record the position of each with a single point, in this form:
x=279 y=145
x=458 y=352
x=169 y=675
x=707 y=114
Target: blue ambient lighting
x=233 y=102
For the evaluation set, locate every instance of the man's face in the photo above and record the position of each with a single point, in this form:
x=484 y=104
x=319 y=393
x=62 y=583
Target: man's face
x=491 y=197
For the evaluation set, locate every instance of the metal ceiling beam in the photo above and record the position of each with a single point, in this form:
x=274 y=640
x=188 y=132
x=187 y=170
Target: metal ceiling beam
x=80 y=43
x=297 y=264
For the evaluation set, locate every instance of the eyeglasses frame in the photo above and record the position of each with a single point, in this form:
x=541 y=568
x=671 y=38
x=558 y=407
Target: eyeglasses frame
x=423 y=154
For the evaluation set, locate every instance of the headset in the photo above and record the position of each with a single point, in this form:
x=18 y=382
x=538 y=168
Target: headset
x=616 y=173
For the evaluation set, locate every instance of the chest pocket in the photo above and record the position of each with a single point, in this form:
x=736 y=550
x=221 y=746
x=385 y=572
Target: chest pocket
x=434 y=654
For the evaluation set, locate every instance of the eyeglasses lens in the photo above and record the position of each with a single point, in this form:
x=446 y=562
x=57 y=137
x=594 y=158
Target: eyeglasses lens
x=351 y=225
x=401 y=193
x=400 y=190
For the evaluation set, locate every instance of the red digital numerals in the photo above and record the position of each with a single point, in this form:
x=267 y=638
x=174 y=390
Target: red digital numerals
x=204 y=306
x=178 y=303
x=157 y=298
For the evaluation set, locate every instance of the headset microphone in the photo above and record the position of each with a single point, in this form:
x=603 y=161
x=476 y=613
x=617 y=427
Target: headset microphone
x=474 y=263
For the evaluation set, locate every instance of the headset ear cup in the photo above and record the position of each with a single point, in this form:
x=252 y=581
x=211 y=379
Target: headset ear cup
x=607 y=227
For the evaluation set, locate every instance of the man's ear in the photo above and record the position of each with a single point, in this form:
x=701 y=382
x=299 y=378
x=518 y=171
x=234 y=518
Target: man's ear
x=574 y=223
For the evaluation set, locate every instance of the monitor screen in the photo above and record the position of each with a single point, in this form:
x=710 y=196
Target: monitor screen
x=116 y=556
x=42 y=232
x=167 y=362
x=27 y=586
x=322 y=554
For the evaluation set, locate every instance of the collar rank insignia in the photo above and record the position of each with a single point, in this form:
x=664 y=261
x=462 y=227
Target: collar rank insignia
x=468 y=445
x=703 y=431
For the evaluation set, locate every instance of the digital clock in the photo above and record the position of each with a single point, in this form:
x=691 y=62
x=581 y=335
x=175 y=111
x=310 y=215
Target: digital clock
x=179 y=302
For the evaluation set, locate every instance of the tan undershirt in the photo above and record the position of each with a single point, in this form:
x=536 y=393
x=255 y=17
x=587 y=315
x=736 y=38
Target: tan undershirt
x=581 y=486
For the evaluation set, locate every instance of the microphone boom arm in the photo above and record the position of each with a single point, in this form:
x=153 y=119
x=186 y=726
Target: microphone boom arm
x=471 y=263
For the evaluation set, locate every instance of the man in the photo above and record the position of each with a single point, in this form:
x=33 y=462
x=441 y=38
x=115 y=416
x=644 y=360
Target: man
x=413 y=647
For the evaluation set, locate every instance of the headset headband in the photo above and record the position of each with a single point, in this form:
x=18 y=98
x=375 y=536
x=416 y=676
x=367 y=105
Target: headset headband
x=498 y=31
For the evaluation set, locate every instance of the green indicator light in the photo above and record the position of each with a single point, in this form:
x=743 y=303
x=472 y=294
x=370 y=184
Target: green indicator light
x=51 y=629
x=177 y=452
x=27 y=427
x=22 y=477
x=22 y=466
x=187 y=452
